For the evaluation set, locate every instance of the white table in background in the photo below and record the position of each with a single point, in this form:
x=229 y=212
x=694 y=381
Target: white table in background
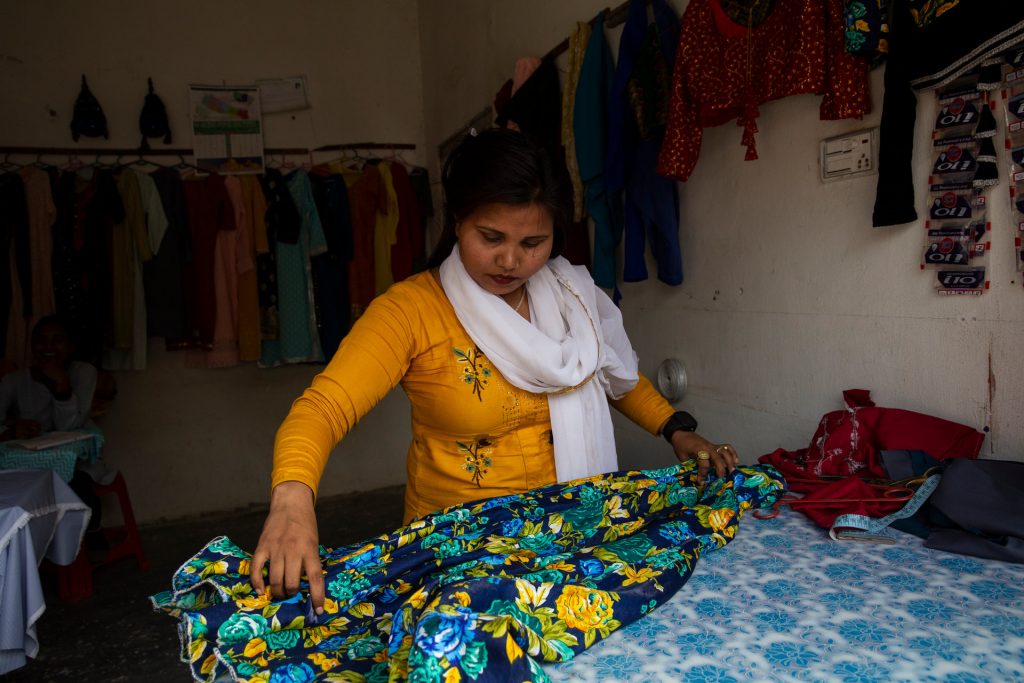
x=40 y=517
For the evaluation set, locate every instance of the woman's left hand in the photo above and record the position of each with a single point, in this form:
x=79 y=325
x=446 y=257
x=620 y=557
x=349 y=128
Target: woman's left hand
x=693 y=446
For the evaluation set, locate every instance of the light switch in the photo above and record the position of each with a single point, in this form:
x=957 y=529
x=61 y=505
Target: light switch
x=851 y=154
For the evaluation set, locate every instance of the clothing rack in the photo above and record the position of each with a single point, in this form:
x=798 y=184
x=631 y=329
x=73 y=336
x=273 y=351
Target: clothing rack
x=184 y=151
x=612 y=18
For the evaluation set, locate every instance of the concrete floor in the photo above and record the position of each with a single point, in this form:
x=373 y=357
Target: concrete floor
x=116 y=636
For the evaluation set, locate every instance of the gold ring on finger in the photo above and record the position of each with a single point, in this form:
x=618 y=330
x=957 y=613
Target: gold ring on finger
x=703 y=455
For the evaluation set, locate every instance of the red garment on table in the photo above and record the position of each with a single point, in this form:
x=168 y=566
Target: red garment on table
x=857 y=500
x=724 y=71
x=848 y=442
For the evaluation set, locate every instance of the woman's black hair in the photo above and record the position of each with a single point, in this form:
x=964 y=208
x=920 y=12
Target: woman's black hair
x=46 y=321
x=501 y=166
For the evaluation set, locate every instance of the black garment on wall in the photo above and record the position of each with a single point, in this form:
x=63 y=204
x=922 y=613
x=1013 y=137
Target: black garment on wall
x=87 y=210
x=14 y=237
x=163 y=275
x=330 y=269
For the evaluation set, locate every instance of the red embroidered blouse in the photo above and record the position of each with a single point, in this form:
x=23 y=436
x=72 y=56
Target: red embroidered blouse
x=724 y=71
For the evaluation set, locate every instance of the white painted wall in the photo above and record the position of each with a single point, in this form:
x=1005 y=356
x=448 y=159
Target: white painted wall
x=790 y=295
x=191 y=441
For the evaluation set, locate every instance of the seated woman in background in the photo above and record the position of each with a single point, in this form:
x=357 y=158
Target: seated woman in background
x=54 y=393
x=509 y=356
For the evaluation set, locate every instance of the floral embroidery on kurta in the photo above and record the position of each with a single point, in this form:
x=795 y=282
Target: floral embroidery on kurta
x=478 y=458
x=476 y=371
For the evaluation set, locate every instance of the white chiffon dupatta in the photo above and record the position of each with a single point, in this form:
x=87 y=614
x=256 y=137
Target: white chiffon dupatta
x=575 y=350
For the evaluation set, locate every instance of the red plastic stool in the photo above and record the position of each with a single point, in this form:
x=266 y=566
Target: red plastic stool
x=125 y=539
x=74 y=582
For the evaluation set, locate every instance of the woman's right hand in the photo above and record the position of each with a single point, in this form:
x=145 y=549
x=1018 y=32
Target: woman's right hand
x=290 y=544
x=26 y=429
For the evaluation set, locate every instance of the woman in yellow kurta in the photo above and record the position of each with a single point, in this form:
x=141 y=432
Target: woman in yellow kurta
x=508 y=354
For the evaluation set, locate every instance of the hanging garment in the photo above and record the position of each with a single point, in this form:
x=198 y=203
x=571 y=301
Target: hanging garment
x=725 y=70
x=867 y=29
x=232 y=257
x=41 y=215
x=330 y=269
x=385 y=233
x=419 y=178
x=535 y=107
x=590 y=123
x=87 y=210
x=254 y=208
x=15 y=255
x=153 y=226
x=367 y=198
x=930 y=45
x=127 y=236
x=578 y=41
x=209 y=212
x=299 y=340
x=637 y=112
x=163 y=275
x=409 y=233
x=134 y=242
x=482 y=591
x=283 y=222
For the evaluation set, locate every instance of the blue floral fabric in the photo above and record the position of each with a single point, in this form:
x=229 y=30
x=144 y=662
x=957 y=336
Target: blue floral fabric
x=786 y=603
x=483 y=591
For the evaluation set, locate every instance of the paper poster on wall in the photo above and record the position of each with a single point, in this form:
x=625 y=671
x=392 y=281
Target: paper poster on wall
x=227 y=128
x=283 y=94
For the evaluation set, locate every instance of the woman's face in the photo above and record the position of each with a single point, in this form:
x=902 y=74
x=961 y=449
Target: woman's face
x=50 y=344
x=502 y=245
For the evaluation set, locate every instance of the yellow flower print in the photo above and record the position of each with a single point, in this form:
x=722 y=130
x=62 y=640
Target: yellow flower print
x=614 y=508
x=330 y=606
x=254 y=648
x=323 y=661
x=719 y=519
x=532 y=594
x=218 y=567
x=461 y=597
x=584 y=609
x=208 y=664
x=258 y=601
x=363 y=609
x=639 y=576
x=418 y=599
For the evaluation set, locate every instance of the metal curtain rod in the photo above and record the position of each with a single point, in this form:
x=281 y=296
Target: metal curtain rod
x=182 y=151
